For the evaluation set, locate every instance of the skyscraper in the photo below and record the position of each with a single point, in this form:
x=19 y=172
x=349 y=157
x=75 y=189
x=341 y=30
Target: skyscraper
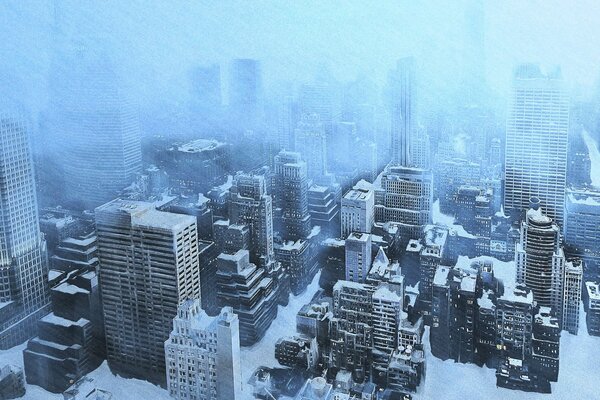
x=99 y=132
x=402 y=85
x=292 y=194
x=536 y=142
x=540 y=260
x=245 y=92
x=148 y=266
x=249 y=204
x=404 y=193
x=23 y=261
x=572 y=301
x=203 y=355
x=311 y=144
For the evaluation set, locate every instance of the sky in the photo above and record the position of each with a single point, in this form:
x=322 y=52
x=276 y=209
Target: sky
x=157 y=42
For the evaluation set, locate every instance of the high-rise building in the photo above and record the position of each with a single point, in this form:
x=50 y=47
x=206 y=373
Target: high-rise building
x=572 y=300
x=24 y=295
x=591 y=303
x=514 y=322
x=99 y=136
x=292 y=195
x=203 y=355
x=405 y=197
x=358 y=209
x=536 y=142
x=358 y=256
x=545 y=344
x=148 y=266
x=245 y=92
x=311 y=144
x=403 y=102
x=540 y=260
x=249 y=204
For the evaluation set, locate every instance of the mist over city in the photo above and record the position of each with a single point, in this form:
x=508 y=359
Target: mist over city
x=299 y=200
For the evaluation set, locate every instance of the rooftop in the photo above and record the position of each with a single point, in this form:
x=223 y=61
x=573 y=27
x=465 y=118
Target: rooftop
x=199 y=145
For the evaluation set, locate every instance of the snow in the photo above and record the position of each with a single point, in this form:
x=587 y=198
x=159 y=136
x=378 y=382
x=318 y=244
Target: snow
x=263 y=352
x=447 y=220
x=506 y=271
x=592 y=146
x=577 y=377
x=121 y=388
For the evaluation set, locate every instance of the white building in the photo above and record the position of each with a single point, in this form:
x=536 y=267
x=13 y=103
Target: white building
x=536 y=141
x=358 y=209
x=572 y=300
x=148 y=266
x=203 y=355
x=358 y=256
x=23 y=265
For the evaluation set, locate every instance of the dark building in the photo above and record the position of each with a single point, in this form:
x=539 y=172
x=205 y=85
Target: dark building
x=313 y=321
x=249 y=291
x=591 y=303
x=297 y=352
x=292 y=195
x=324 y=207
x=207 y=258
x=70 y=341
x=12 y=382
x=454 y=315
x=196 y=166
x=545 y=344
x=297 y=258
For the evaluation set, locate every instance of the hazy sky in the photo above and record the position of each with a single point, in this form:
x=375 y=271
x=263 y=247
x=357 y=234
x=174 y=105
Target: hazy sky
x=158 y=41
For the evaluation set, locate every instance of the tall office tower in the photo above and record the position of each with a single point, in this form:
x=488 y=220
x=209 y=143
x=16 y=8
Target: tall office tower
x=148 y=266
x=540 y=260
x=249 y=204
x=402 y=83
x=536 y=142
x=405 y=197
x=358 y=256
x=573 y=285
x=203 y=355
x=206 y=88
x=100 y=134
x=317 y=99
x=292 y=195
x=245 y=92
x=582 y=229
x=288 y=119
x=420 y=151
x=23 y=261
x=311 y=144
x=358 y=209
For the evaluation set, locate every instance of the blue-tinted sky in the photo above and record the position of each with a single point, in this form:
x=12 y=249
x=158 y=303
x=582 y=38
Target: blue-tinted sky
x=158 y=41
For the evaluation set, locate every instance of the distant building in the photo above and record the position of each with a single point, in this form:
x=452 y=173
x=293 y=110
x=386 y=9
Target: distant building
x=358 y=209
x=202 y=355
x=572 y=300
x=23 y=260
x=196 y=166
x=143 y=250
x=537 y=123
x=311 y=144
